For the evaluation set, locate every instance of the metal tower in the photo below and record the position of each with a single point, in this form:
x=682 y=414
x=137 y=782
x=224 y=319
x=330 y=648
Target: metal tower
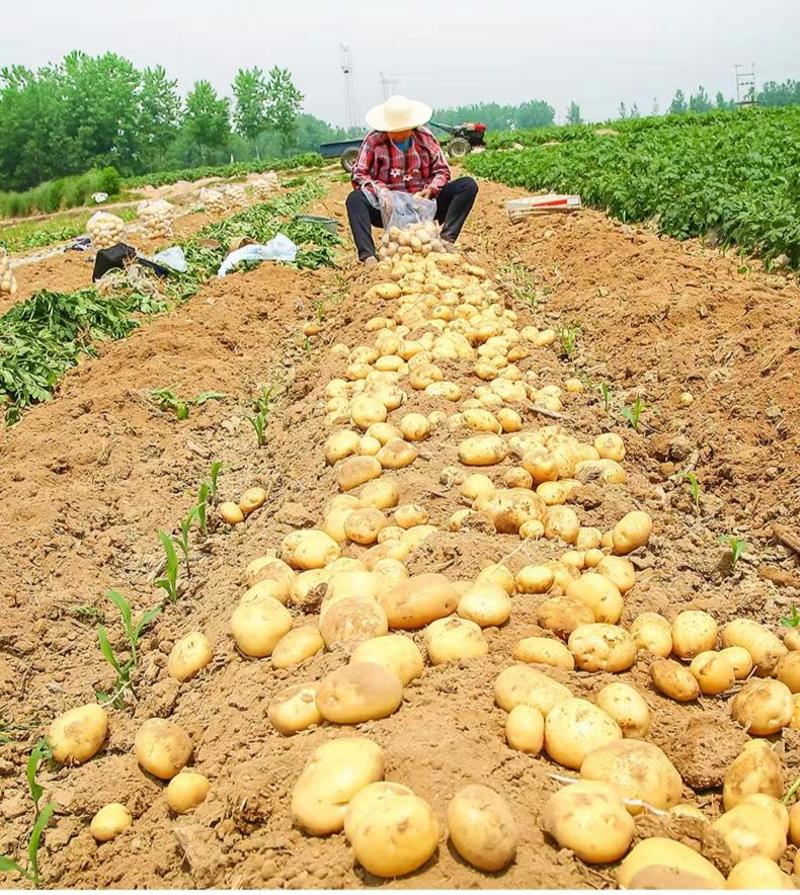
x=350 y=102
x=389 y=85
x=746 y=84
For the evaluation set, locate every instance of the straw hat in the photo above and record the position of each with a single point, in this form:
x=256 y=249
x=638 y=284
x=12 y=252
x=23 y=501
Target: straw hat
x=398 y=113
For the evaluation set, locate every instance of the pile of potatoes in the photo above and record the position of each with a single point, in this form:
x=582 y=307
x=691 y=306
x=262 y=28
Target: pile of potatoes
x=235 y=194
x=420 y=238
x=158 y=219
x=234 y=512
x=212 y=200
x=105 y=229
x=8 y=283
x=265 y=185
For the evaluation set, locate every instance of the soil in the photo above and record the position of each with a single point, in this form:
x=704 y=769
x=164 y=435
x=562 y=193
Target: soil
x=90 y=477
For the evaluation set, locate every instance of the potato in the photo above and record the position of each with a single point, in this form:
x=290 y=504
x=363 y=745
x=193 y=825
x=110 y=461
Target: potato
x=794 y=821
x=610 y=446
x=186 y=791
x=363 y=526
x=601 y=647
x=351 y=620
x=452 y=639
x=617 y=569
x=660 y=863
x=392 y=831
x=485 y=604
x=763 y=707
x=562 y=522
x=693 y=632
x=419 y=600
x=543 y=651
x=510 y=508
x=713 y=672
x=788 y=671
x=638 y=771
x=589 y=819
x=294 y=708
x=415 y=427
x=652 y=632
x=536 y=579
x=562 y=615
x=257 y=627
x=340 y=445
x=599 y=594
x=751 y=830
x=270 y=568
x=309 y=549
x=364 y=691
x=251 y=500
x=397 y=454
x=509 y=419
x=481 y=421
x=366 y=410
x=762 y=644
x=775 y=807
x=355 y=471
x=525 y=729
x=482 y=828
x=231 y=512
x=627 y=707
x=674 y=680
x=573 y=728
x=632 y=531
x=296 y=646
x=110 y=821
x=477 y=486
x=189 y=655
x=78 y=734
x=162 y=748
x=394 y=652
x=380 y=494
x=758 y=872
x=267 y=588
x=740 y=661
x=357 y=584
x=791 y=639
x=482 y=450
x=335 y=772
x=523 y=685
x=756 y=769
x=410 y=515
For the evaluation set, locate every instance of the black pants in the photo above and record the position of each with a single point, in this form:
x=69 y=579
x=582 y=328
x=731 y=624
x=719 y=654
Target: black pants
x=453 y=205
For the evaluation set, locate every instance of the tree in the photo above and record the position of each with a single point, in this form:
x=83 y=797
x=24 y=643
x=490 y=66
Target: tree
x=622 y=112
x=634 y=113
x=699 y=102
x=574 y=114
x=283 y=103
x=786 y=93
x=722 y=103
x=207 y=117
x=678 y=105
x=159 y=115
x=250 y=111
x=534 y=113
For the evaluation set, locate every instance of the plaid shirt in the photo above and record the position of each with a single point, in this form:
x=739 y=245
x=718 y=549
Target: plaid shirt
x=380 y=161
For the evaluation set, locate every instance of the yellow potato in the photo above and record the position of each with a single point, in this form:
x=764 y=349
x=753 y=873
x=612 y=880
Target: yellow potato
x=258 y=627
x=765 y=648
x=627 y=707
x=601 y=647
x=363 y=526
x=599 y=594
x=477 y=486
x=610 y=446
x=652 y=632
x=510 y=508
x=562 y=615
x=751 y=830
x=740 y=661
x=418 y=600
x=366 y=410
x=188 y=656
x=562 y=522
x=231 y=512
x=294 y=709
x=355 y=471
x=350 y=620
x=788 y=671
x=617 y=569
x=776 y=808
x=296 y=646
x=452 y=639
x=543 y=651
x=251 y=500
x=382 y=494
x=763 y=707
x=78 y=734
x=756 y=769
x=341 y=444
x=713 y=672
x=162 y=748
x=523 y=685
x=361 y=692
x=589 y=539
x=665 y=864
x=309 y=549
x=525 y=729
x=632 y=531
x=535 y=579
x=693 y=632
x=186 y=791
x=397 y=454
x=269 y=588
x=481 y=421
x=486 y=604
x=110 y=821
x=482 y=828
x=573 y=728
x=674 y=680
x=758 y=872
x=410 y=514
x=415 y=427
x=482 y=450
x=395 y=652
x=270 y=568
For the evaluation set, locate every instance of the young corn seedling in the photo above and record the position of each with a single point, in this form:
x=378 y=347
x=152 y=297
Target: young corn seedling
x=133 y=632
x=88 y=614
x=259 y=424
x=632 y=413
x=202 y=507
x=605 y=391
x=169 y=583
x=319 y=310
x=183 y=543
x=568 y=338
x=737 y=547
x=694 y=488
x=213 y=478
x=41 y=817
x=792 y=620
x=166 y=399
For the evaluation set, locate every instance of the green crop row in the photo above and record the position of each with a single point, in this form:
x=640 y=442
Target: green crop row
x=53 y=195
x=733 y=174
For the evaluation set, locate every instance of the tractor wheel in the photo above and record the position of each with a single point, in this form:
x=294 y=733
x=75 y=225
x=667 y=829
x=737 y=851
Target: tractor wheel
x=348 y=159
x=458 y=147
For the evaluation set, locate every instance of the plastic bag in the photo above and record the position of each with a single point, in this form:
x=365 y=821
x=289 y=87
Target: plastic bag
x=173 y=258
x=279 y=248
x=409 y=224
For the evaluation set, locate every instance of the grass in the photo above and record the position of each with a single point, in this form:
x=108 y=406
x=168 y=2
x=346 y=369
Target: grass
x=520 y=283
x=35 y=234
x=65 y=192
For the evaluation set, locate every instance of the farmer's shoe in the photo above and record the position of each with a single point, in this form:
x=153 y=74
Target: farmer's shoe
x=371 y=261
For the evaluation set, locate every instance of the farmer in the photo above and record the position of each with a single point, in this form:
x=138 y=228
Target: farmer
x=400 y=154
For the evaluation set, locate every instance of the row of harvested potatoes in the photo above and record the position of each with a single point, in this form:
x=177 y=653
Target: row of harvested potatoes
x=366 y=605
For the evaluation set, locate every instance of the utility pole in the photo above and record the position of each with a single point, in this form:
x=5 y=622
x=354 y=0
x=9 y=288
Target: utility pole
x=746 y=84
x=388 y=85
x=350 y=102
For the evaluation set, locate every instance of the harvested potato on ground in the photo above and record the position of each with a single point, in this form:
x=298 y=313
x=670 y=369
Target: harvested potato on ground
x=756 y=769
x=415 y=427
x=397 y=454
x=231 y=512
x=309 y=548
x=452 y=639
x=763 y=707
x=392 y=831
x=751 y=830
x=410 y=515
x=674 y=680
x=600 y=647
x=573 y=728
x=600 y=594
x=418 y=600
x=162 y=748
x=363 y=526
x=110 y=821
x=740 y=661
x=482 y=450
x=334 y=773
x=776 y=808
x=296 y=646
x=294 y=709
x=186 y=791
x=618 y=570
x=482 y=828
x=352 y=620
x=78 y=734
x=269 y=588
x=498 y=574
x=251 y=500
x=632 y=531
x=610 y=446
x=270 y=568
x=188 y=656
x=788 y=671
x=536 y=579
x=510 y=508
x=525 y=729
x=543 y=651
x=661 y=863
x=713 y=672
x=652 y=632
x=355 y=471
x=381 y=494
x=627 y=707
x=364 y=691
x=791 y=639
x=638 y=771
x=590 y=819
x=760 y=642
x=758 y=872
x=562 y=522
x=562 y=615
x=485 y=604
x=341 y=444
x=258 y=627
x=394 y=652
x=523 y=685
x=693 y=632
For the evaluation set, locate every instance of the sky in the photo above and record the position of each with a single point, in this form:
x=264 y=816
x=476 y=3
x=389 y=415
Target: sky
x=445 y=53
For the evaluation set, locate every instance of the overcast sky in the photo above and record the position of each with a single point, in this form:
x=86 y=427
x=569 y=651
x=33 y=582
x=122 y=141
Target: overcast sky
x=445 y=53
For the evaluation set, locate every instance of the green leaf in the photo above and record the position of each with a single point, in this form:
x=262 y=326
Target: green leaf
x=36 y=835
x=124 y=609
x=9 y=866
x=182 y=410
x=203 y=397
x=147 y=619
x=106 y=649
